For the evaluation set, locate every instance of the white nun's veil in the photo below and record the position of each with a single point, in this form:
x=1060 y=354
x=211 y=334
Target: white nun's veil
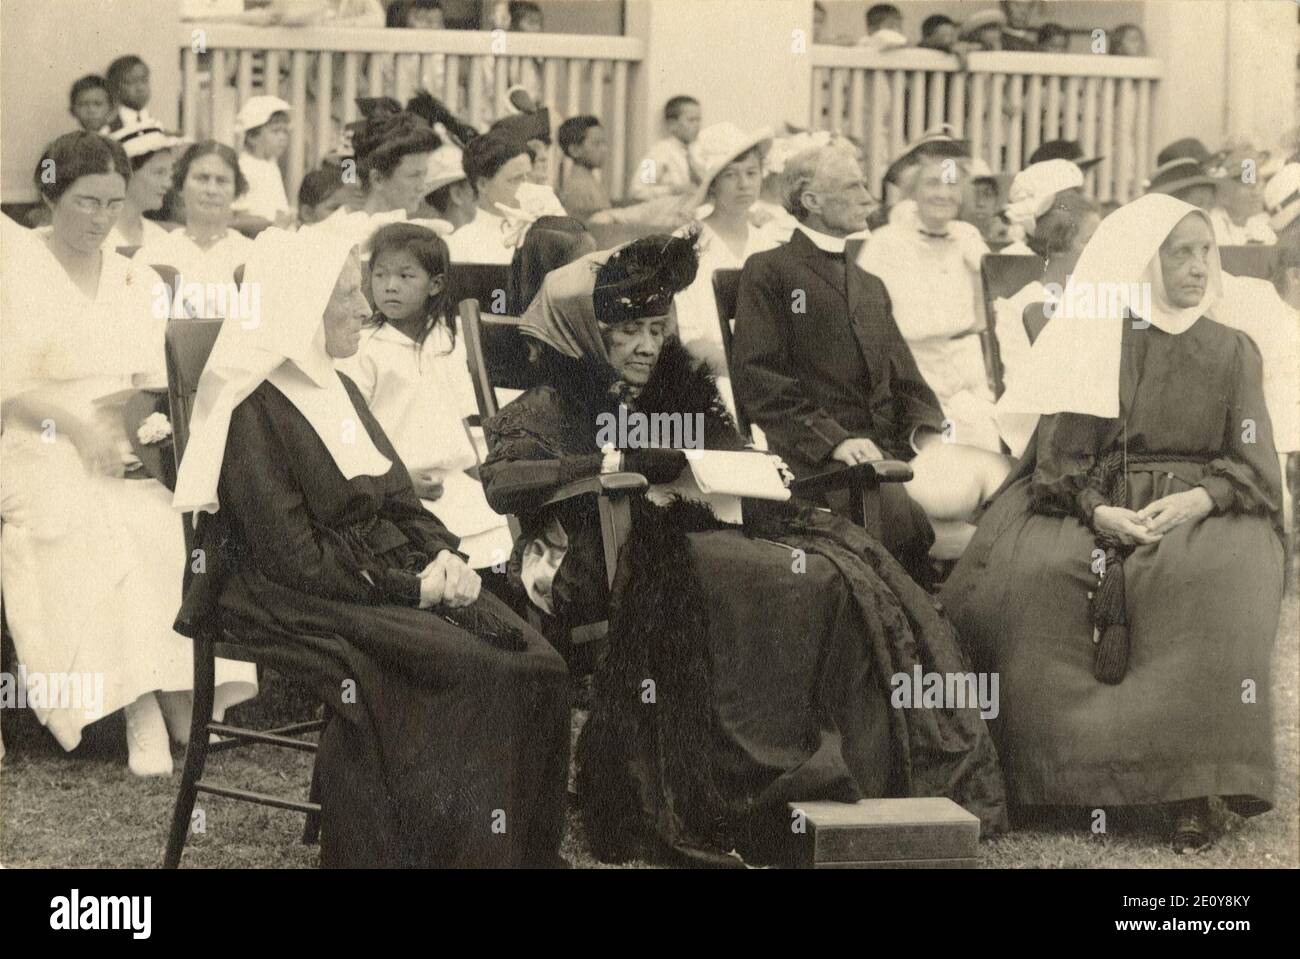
x=294 y=275
x=1074 y=365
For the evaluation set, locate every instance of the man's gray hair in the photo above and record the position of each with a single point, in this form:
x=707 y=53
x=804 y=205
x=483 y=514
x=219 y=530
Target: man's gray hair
x=801 y=171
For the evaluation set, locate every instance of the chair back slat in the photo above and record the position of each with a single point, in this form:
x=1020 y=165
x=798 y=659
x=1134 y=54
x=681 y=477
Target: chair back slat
x=1002 y=275
x=1256 y=261
x=726 y=290
x=500 y=356
x=485 y=282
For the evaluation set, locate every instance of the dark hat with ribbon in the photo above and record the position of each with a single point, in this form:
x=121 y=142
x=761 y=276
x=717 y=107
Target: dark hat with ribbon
x=1063 y=150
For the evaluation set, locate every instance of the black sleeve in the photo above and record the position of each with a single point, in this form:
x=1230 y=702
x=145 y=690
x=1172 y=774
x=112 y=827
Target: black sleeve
x=1247 y=478
x=765 y=381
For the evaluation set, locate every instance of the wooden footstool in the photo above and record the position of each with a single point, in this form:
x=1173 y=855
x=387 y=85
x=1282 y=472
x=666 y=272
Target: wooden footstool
x=929 y=833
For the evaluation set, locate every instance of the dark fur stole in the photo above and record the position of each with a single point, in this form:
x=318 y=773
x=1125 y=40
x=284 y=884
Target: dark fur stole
x=639 y=759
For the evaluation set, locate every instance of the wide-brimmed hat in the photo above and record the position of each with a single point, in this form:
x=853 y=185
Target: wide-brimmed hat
x=1282 y=197
x=938 y=141
x=1177 y=175
x=1064 y=150
x=257 y=111
x=978 y=21
x=1190 y=148
x=444 y=168
x=141 y=139
x=718 y=145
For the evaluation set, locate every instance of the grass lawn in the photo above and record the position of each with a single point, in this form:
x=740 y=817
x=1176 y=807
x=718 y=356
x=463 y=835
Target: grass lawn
x=85 y=809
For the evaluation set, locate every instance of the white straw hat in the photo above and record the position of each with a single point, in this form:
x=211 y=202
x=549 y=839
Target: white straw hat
x=718 y=145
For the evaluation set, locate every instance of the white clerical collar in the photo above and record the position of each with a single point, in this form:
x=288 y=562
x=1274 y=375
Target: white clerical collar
x=824 y=241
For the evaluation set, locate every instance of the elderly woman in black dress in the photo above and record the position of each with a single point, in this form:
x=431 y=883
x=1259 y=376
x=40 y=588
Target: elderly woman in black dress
x=448 y=737
x=770 y=654
x=1126 y=583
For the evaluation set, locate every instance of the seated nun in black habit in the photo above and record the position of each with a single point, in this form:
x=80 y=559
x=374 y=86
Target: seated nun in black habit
x=448 y=734
x=770 y=650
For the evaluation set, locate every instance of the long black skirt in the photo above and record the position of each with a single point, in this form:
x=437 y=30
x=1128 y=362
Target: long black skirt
x=442 y=750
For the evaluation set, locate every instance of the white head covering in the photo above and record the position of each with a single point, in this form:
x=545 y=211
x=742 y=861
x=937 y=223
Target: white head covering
x=1074 y=364
x=1033 y=190
x=1282 y=197
x=294 y=273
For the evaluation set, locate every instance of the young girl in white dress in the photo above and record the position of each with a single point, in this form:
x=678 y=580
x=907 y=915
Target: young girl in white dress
x=412 y=370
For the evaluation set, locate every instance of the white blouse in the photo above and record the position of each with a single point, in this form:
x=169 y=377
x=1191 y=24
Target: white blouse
x=421 y=396
x=481 y=240
x=205 y=276
x=934 y=286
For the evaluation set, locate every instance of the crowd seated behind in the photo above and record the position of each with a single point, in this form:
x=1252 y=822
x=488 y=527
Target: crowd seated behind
x=1014 y=26
x=860 y=349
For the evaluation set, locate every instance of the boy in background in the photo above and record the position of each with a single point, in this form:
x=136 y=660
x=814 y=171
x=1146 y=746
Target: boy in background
x=265 y=124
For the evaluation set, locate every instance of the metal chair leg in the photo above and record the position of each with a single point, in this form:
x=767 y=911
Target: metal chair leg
x=196 y=753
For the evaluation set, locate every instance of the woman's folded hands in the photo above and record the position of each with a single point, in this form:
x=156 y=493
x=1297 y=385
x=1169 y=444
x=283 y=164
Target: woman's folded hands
x=1152 y=521
x=448 y=580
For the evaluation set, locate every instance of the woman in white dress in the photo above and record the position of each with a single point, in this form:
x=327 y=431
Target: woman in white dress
x=205 y=251
x=730 y=163
x=150 y=151
x=412 y=371
x=929 y=262
x=93 y=559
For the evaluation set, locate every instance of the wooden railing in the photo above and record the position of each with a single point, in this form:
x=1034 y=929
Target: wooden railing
x=1006 y=104
x=320 y=72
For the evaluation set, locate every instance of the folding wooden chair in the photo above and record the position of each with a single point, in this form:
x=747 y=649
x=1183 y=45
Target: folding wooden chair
x=862 y=481
x=500 y=358
x=1255 y=260
x=189 y=342
x=1002 y=276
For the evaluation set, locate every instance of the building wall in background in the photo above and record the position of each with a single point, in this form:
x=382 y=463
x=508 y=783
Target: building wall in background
x=48 y=44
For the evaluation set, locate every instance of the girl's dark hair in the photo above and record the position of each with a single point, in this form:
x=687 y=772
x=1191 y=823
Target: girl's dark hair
x=319 y=185
x=208 y=148
x=380 y=144
x=91 y=81
x=552 y=242
x=431 y=253
x=119 y=68
x=1056 y=229
x=642 y=278
x=433 y=111
x=75 y=155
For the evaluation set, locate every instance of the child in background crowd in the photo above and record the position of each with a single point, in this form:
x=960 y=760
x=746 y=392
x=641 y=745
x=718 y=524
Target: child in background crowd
x=412 y=370
x=884 y=28
x=1053 y=38
x=265 y=124
x=583 y=141
x=128 y=85
x=666 y=169
x=90 y=103
x=320 y=194
x=1128 y=40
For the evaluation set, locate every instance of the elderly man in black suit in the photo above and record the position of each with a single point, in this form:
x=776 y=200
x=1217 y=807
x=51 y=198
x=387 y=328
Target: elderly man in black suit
x=820 y=365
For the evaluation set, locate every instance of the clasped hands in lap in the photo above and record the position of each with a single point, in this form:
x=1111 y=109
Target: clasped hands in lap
x=1149 y=524
x=448 y=579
